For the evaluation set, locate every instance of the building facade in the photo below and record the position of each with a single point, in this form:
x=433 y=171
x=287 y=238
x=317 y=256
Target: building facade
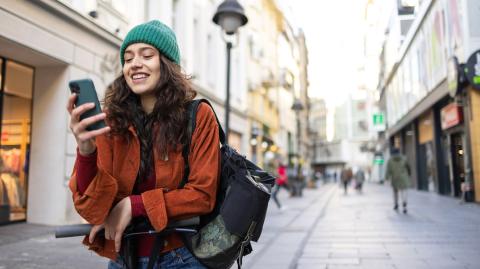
x=274 y=80
x=318 y=118
x=430 y=117
x=40 y=52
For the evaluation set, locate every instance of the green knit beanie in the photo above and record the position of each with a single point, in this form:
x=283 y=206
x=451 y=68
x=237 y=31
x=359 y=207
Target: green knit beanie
x=155 y=34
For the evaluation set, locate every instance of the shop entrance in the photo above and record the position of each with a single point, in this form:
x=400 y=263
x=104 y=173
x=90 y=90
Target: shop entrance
x=425 y=167
x=445 y=184
x=422 y=168
x=15 y=113
x=458 y=163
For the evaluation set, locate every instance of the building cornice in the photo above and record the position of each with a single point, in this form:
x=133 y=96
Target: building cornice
x=408 y=41
x=425 y=104
x=69 y=14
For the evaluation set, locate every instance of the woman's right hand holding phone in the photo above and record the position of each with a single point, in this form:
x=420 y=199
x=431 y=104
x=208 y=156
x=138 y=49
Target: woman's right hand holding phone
x=85 y=138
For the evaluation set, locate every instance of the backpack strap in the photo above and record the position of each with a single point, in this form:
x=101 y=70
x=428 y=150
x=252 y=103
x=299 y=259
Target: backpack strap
x=157 y=248
x=192 y=109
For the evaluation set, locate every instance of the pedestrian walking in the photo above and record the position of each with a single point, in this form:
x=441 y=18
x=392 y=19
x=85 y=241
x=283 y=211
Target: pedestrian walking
x=359 y=179
x=131 y=168
x=398 y=171
x=346 y=176
x=280 y=172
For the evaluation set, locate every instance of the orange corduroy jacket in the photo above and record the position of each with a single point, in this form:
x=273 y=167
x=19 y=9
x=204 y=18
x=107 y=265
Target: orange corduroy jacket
x=118 y=162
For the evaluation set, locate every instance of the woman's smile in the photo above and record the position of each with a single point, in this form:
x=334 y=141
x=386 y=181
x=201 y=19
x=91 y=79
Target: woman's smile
x=139 y=77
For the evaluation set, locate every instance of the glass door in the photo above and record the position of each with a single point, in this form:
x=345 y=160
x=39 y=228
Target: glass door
x=16 y=103
x=458 y=163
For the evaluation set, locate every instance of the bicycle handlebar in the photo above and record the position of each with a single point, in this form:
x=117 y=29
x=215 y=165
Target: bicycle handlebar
x=84 y=229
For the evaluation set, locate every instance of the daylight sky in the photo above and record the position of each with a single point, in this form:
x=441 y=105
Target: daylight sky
x=333 y=34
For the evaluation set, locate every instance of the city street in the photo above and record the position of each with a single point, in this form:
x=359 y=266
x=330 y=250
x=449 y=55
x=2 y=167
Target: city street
x=98 y=97
x=323 y=229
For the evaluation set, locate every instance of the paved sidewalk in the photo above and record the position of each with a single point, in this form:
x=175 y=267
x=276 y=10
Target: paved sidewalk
x=30 y=246
x=323 y=229
x=363 y=231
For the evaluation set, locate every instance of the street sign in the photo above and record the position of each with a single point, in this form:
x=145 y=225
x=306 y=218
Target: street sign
x=378 y=160
x=378 y=119
x=379 y=122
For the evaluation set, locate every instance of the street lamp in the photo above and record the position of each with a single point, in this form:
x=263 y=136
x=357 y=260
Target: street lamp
x=230 y=16
x=297 y=107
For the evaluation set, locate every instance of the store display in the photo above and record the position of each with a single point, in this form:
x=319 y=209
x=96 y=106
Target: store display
x=13 y=161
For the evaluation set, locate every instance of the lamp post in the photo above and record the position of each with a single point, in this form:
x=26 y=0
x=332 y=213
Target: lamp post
x=230 y=16
x=297 y=107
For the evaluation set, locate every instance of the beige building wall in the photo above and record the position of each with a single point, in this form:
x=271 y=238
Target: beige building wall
x=475 y=140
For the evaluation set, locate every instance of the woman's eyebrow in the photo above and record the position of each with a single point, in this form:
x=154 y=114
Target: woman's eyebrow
x=146 y=48
x=140 y=50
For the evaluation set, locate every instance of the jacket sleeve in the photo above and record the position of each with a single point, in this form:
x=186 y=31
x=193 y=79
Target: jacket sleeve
x=389 y=170
x=95 y=203
x=198 y=195
x=407 y=166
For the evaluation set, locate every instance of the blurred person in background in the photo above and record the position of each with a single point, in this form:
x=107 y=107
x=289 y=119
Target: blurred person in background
x=359 y=179
x=281 y=182
x=398 y=171
x=346 y=176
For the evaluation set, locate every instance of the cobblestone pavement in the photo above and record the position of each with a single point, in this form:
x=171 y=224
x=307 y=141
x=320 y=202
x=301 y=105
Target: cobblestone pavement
x=323 y=229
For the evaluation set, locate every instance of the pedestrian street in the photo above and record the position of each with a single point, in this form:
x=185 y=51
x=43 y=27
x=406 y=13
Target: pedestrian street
x=322 y=229
x=327 y=229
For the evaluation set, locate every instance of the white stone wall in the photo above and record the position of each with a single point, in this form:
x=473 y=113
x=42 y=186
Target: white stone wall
x=60 y=51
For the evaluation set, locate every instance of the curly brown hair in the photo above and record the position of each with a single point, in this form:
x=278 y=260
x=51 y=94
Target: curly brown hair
x=162 y=129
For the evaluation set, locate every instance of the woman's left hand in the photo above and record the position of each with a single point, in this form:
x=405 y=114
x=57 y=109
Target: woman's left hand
x=117 y=221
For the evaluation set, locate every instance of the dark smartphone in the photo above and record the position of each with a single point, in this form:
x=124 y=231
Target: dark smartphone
x=86 y=93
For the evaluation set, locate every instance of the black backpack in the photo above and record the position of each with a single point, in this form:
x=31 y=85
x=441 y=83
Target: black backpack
x=243 y=193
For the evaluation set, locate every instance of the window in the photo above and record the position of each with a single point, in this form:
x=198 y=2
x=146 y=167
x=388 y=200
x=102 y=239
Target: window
x=16 y=103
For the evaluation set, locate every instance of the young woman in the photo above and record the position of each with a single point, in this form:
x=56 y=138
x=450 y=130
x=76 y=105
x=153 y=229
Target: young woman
x=132 y=167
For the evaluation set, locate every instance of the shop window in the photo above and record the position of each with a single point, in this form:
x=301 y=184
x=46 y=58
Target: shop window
x=15 y=139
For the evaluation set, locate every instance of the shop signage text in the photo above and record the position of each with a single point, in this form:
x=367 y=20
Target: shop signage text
x=451 y=115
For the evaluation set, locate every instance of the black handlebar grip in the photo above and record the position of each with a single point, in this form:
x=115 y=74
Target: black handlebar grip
x=184 y=223
x=72 y=230
x=84 y=229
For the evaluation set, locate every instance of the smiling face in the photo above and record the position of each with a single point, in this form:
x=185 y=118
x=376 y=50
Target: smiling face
x=142 y=69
